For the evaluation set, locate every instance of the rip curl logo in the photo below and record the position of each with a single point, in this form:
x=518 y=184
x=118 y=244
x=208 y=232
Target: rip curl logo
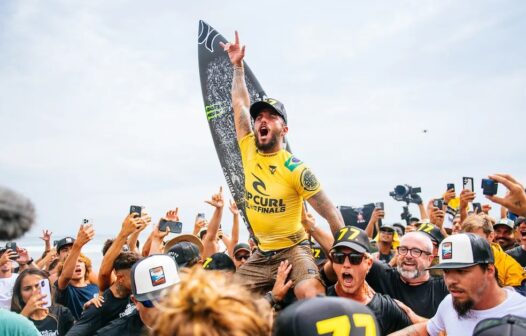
x=447 y=250
x=309 y=180
x=259 y=184
x=207 y=35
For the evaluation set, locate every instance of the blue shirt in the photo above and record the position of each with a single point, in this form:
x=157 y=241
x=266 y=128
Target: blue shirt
x=75 y=297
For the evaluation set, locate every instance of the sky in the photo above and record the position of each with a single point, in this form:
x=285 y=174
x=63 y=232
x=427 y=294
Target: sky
x=101 y=106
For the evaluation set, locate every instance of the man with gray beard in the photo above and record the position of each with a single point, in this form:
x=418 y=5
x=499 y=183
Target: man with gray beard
x=410 y=282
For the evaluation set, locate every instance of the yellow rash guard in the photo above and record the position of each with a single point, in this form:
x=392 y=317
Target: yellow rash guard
x=275 y=186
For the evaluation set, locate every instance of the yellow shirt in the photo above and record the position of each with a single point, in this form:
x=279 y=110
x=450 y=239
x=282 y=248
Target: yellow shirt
x=275 y=186
x=510 y=271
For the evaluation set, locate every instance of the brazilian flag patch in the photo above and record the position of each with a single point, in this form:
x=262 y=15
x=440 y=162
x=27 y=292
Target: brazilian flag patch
x=292 y=163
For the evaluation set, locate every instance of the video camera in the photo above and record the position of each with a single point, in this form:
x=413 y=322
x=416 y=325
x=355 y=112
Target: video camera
x=405 y=193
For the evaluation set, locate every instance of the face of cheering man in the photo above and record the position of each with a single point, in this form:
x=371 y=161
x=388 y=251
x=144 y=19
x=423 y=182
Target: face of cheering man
x=351 y=268
x=468 y=285
x=504 y=236
x=269 y=129
x=415 y=255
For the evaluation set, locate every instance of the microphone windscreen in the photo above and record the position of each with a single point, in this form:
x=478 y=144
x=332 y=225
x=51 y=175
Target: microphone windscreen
x=17 y=214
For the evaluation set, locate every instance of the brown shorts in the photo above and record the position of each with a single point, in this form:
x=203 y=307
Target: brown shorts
x=260 y=270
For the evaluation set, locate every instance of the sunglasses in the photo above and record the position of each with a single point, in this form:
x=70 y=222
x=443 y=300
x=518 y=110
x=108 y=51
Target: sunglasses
x=240 y=257
x=339 y=258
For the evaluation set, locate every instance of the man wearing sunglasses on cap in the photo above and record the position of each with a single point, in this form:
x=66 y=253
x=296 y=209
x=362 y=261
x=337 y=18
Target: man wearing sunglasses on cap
x=351 y=261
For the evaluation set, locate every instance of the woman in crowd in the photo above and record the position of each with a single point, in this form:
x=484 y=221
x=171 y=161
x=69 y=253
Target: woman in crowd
x=29 y=301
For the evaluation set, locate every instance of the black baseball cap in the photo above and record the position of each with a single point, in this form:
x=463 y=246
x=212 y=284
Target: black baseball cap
x=242 y=247
x=508 y=325
x=432 y=231
x=352 y=237
x=64 y=242
x=184 y=253
x=302 y=317
x=463 y=250
x=268 y=103
x=219 y=261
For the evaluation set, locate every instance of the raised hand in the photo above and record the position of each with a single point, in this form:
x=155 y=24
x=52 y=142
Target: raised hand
x=217 y=199
x=515 y=199
x=172 y=215
x=466 y=196
x=233 y=208
x=46 y=235
x=8 y=254
x=236 y=52
x=85 y=234
x=131 y=224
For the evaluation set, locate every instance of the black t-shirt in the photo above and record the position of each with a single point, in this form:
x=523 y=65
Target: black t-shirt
x=130 y=325
x=518 y=254
x=422 y=299
x=93 y=318
x=389 y=315
x=57 y=323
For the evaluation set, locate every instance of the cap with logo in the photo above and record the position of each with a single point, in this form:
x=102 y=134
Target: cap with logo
x=268 y=103
x=219 y=261
x=352 y=237
x=508 y=325
x=463 y=250
x=432 y=231
x=319 y=316
x=241 y=247
x=507 y=222
x=64 y=242
x=184 y=253
x=151 y=275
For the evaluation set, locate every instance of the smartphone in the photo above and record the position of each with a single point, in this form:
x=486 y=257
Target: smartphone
x=450 y=186
x=200 y=215
x=175 y=227
x=467 y=183
x=438 y=203
x=477 y=208
x=489 y=187
x=45 y=289
x=136 y=209
x=87 y=221
x=12 y=246
x=379 y=205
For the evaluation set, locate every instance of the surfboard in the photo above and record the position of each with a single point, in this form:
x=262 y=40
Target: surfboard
x=215 y=71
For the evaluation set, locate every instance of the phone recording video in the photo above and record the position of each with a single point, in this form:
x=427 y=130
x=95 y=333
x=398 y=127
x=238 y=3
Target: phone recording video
x=136 y=209
x=175 y=227
x=467 y=183
x=489 y=187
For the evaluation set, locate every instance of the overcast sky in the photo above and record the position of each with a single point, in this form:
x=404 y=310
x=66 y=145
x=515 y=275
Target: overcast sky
x=101 y=106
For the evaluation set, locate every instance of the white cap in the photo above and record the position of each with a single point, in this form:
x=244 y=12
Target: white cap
x=463 y=250
x=151 y=275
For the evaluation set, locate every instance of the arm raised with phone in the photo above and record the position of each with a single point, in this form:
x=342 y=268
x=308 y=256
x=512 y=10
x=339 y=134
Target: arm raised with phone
x=84 y=235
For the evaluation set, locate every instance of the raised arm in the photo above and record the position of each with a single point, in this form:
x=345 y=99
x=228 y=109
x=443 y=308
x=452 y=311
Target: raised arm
x=373 y=222
x=130 y=225
x=235 y=228
x=210 y=240
x=85 y=234
x=323 y=206
x=325 y=239
x=240 y=96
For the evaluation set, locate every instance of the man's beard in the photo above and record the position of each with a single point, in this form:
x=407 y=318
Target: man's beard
x=413 y=274
x=463 y=308
x=265 y=147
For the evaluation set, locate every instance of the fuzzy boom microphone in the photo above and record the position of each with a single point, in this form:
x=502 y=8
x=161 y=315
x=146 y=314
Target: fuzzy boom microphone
x=17 y=214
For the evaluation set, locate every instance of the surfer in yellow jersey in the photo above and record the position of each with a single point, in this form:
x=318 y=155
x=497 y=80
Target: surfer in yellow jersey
x=276 y=184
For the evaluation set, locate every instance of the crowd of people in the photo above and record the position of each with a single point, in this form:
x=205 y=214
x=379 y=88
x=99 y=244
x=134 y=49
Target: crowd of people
x=292 y=277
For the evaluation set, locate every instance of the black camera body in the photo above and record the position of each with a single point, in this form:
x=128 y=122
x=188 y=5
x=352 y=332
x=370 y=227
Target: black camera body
x=489 y=187
x=404 y=193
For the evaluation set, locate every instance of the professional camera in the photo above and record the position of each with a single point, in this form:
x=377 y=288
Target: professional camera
x=406 y=193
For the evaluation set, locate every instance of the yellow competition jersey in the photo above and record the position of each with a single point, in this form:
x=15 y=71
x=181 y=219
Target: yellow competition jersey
x=275 y=186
